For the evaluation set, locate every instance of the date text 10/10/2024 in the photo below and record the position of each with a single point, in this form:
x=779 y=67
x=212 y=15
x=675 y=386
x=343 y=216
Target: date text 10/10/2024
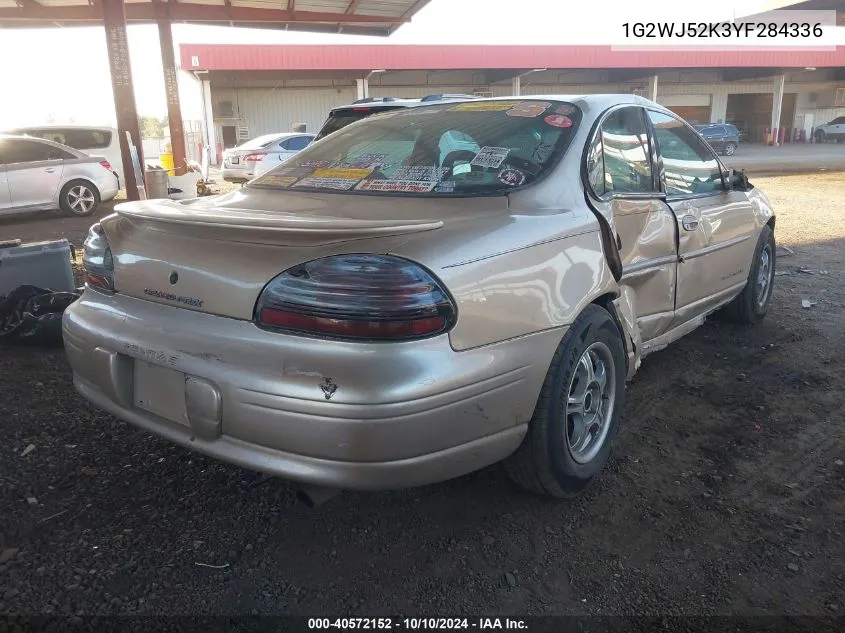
x=417 y=624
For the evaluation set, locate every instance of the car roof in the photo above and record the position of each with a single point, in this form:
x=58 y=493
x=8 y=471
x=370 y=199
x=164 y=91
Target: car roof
x=55 y=126
x=592 y=100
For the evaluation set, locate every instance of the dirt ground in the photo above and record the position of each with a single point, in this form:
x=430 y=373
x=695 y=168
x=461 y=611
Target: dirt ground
x=726 y=494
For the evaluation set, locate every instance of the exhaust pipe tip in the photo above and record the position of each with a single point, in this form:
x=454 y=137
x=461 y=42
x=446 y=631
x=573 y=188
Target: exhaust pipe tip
x=313 y=496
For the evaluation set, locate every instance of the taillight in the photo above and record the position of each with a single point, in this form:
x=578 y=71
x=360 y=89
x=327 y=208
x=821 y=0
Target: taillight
x=376 y=297
x=106 y=164
x=255 y=157
x=97 y=260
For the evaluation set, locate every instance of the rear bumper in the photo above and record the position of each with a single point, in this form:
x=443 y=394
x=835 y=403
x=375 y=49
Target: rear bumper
x=402 y=415
x=233 y=174
x=108 y=186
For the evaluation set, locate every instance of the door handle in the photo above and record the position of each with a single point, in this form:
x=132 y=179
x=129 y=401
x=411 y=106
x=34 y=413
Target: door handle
x=689 y=222
x=50 y=170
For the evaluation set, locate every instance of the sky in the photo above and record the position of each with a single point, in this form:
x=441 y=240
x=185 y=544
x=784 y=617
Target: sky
x=63 y=74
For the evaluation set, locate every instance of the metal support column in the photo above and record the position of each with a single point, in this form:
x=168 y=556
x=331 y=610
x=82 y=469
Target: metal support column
x=651 y=90
x=777 y=102
x=363 y=85
x=171 y=86
x=114 y=20
x=516 y=86
x=208 y=127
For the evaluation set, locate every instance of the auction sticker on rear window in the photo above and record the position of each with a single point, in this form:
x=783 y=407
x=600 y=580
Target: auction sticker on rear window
x=410 y=186
x=419 y=172
x=490 y=157
x=558 y=120
x=328 y=183
x=274 y=179
x=483 y=106
x=529 y=109
x=343 y=173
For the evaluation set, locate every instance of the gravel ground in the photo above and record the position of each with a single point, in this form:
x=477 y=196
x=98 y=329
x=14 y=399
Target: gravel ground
x=726 y=493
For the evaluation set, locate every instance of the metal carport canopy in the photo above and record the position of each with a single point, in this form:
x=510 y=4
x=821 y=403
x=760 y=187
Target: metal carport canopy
x=362 y=17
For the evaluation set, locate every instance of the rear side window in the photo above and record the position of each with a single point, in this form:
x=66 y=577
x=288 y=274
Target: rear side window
x=14 y=151
x=688 y=162
x=296 y=143
x=81 y=139
x=624 y=153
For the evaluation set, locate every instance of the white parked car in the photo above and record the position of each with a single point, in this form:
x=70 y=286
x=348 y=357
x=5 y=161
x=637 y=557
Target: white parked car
x=262 y=161
x=835 y=130
x=38 y=175
x=102 y=141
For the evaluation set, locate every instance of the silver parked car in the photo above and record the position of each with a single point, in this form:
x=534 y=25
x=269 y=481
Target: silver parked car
x=260 y=162
x=234 y=167
x=37 y=174
x=387 y=309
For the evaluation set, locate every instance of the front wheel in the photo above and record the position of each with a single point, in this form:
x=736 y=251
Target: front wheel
x=577 y=415
x=730 y=149
x=752 y=304
x=79 y=198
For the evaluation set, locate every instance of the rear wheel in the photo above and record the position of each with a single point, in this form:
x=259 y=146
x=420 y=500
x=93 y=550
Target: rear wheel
x=570 y=436
x=730 y=149
x=820 y=136
x=752 y=304
x=79 y=198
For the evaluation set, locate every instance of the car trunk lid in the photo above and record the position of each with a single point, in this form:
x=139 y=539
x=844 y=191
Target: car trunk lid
x=215 y=255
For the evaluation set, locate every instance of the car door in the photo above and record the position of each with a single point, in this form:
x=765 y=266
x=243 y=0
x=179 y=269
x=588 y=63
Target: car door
x=715 y=225
x=34 y=172
x=622 y=186
x=838 y=128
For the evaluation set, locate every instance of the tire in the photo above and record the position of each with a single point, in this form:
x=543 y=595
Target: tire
x=79 y=198
x=730 y=149
x=551 y=461
x=752 y=304
x=819 y=136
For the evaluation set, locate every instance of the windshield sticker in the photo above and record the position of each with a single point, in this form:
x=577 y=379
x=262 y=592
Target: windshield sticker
x=490 y=157
x=529 y=109
x=275 y=179
x=511 y=177
x=364 y=161
x=558 y=120
x=411 y=186
x=420 y=173
x=343 y=173
x=564 y=109
x=483 y=106
x=328 y=183
x=447 y=186
x=315 y=164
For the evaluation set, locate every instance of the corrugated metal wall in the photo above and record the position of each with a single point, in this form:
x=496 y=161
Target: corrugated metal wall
x=266 y=111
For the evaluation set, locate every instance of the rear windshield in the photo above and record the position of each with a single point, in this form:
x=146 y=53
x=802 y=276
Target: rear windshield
x=81 y=139
x=340 y=118
x=473 y=148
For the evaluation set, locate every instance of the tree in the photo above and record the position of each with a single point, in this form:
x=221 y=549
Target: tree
x=151 y=127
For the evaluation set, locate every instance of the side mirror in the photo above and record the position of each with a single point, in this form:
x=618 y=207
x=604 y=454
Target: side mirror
x=738 y=181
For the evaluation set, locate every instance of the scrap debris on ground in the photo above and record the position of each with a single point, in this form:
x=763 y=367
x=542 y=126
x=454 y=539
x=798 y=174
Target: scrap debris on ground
x=726 y=494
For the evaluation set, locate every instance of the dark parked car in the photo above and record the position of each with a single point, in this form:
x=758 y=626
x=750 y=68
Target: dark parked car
x=722 y=137
x=342 y=116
